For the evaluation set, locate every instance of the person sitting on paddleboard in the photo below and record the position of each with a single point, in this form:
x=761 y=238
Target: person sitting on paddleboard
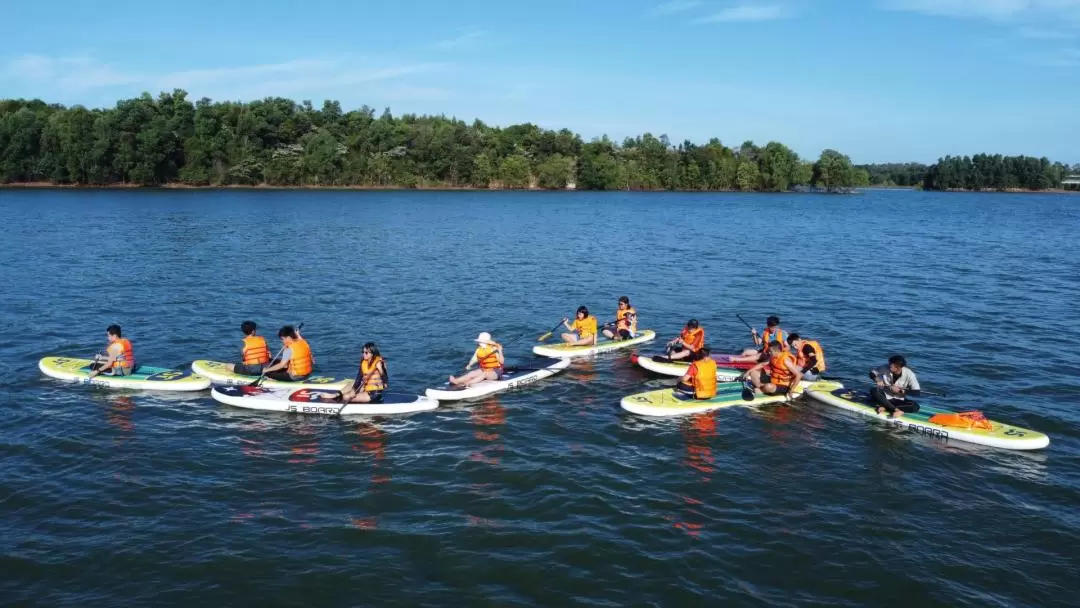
x=895 y=382
x=783 y=374
x=119 y=357
x=689 y=343
x=771 y=333
x=371 y=380
x=254 y=355
x=489 y=356
x=625 y=326
x=296 y=359
x=583 y=329
x=808 y=356
x=700 y=379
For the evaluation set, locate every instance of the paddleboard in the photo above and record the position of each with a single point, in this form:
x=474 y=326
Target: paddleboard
x=1000 y=435
x=514 y=377
x=668 y=402
x=145 y=377
x=678 y=368
x=221 y=373
x=311 y=401
x=603 y=345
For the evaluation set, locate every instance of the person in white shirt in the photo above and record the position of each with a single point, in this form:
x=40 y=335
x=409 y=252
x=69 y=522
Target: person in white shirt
x=895 y=382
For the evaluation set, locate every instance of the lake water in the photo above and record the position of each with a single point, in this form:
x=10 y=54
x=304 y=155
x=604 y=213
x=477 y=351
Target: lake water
x=551 y=495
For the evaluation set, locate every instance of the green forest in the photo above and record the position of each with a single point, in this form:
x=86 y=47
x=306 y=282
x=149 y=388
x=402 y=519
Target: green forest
x=169 y=140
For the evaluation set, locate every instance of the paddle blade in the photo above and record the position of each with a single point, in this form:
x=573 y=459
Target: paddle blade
x=544 y=337
x=748 y=391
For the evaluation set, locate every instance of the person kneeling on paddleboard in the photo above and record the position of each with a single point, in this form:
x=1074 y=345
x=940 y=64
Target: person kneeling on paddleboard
x=895 y=382
x=625 y=326
x=689 y=343
x=254 y=355
x=489 y=355
x=808 y=356
x=119 y=357
x=783 y=375
x=296 y=359
x=700 y=379
x=371 y=380
x=583 y=328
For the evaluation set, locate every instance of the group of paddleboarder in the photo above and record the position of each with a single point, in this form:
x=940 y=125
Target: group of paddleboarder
x=777 y=363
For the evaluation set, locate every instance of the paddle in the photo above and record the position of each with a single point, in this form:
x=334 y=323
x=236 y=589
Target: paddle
x=259 y=380
x=851 y=381
x=548 y=334
x=739 y=317
x=748 y=326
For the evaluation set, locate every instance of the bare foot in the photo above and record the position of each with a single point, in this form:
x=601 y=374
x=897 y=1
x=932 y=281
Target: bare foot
x=879 y=410
x=896 y=414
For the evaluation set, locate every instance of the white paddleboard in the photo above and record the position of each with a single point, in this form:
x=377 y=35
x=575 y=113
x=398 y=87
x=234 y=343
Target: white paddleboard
x=310 y=401
x=514 y=377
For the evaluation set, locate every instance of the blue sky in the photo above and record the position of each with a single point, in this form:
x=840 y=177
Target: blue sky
x=881 y=80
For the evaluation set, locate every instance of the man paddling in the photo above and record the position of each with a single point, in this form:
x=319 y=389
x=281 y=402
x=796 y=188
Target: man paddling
x=296 y=359
x=894 y=383
x=783 y=376
x=119 y=357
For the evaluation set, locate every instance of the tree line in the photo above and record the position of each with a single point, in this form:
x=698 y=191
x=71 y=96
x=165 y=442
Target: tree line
x=279 y=142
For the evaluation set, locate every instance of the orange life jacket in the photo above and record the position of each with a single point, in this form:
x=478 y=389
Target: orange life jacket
x=300 y=363
x=488 y=356
x=774 y=334
x=801 y=359
x=126 y=358
x=778 y=371
x=694 y=339
x=964 y=420
x=377 y=380
x=704 y=373
x=255 y=351
x=622 y=322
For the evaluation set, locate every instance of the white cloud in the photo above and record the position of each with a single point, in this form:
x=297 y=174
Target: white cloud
x=750 y=12
x=314 y=76
x=464 y=40
x=675 y=6
x=996 y=10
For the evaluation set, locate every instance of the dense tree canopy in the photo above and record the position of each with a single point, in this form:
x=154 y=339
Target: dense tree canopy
x=276 y=141
x=279 y=142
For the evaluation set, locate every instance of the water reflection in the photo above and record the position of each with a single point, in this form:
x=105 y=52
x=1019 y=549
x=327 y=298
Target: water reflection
x=305 y=446
x=488 y=418
x=372 y=440
x=698 y=431
x=118 y=413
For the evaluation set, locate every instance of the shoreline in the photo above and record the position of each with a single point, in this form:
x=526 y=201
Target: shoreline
x=452 y=188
